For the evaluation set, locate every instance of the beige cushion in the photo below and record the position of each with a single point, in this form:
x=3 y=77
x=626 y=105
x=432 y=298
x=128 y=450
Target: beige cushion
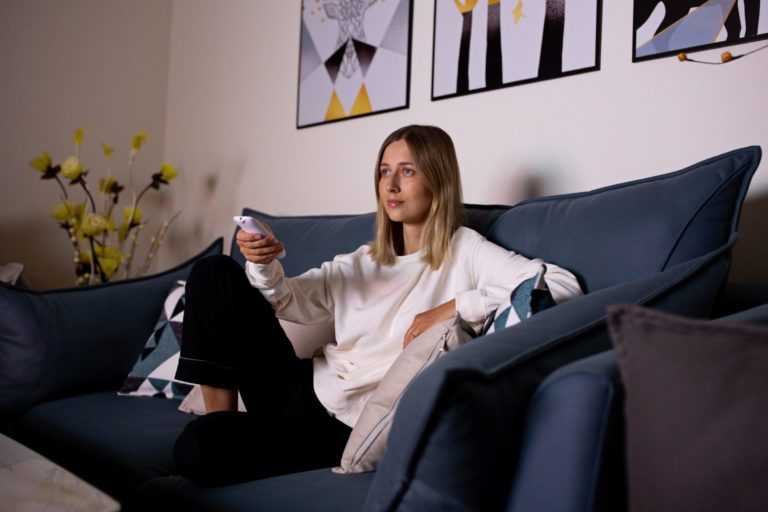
x=367 y=442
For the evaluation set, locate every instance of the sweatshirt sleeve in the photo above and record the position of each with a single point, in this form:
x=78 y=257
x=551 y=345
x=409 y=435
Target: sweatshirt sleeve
x=497 y=271
x=304 y=299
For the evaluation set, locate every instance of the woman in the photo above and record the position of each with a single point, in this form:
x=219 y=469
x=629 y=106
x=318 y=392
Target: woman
x=422 y=268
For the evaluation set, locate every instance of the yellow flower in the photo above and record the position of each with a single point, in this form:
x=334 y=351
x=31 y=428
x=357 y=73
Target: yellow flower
x=108 y=150
x=66 y=212
x=79 y=136
x=42 y=162
x=94 y=224
x=127 y=215
x=122 y=232
x=71 y=168
x=106 y=184
x=139 y=139
x=110 y=259
x=108 y=266
x=168 y=172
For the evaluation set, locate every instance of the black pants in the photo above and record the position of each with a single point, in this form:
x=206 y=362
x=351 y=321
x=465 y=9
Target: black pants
x=231 y=339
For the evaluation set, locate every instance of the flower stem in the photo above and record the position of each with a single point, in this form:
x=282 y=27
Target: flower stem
x=132 y=253
x=63 y=188
x=157 y=241
x=88 y=193
x=95 y=266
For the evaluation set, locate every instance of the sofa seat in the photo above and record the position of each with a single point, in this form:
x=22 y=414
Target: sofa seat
x=318 y=490
x=115 y=442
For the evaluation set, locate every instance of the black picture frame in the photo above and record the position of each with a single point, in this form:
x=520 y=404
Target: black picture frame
x=486 y=48
x=688 y=26
x=353 y=62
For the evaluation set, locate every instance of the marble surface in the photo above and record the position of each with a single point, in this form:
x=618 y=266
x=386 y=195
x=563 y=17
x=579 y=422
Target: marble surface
x=30 y=482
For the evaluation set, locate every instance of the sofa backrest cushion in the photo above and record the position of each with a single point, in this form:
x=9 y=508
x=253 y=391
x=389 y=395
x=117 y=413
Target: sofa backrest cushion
x=626 y=231
x=311 y=240
x=53 y=343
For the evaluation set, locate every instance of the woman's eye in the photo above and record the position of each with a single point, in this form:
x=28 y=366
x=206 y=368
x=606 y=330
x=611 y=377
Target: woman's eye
x=408 y=172
x=385 y=172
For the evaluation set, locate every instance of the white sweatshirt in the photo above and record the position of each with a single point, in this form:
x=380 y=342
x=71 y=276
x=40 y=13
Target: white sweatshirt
x=372 y=306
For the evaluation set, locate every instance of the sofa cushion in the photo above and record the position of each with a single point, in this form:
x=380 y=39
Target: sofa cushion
x=318 y=490
x=154 y=373
x=626 y=231
x=52 y=343
x=115 y=442
x=318 y=238
x=695 y=410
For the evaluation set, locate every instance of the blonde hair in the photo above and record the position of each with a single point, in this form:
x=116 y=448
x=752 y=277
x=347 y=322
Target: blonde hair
x=435 y=157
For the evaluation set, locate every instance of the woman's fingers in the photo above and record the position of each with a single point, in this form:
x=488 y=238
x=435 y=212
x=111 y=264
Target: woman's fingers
x=257 y=248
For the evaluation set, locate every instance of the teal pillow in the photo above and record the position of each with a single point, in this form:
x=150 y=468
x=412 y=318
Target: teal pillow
x=525 y=300
x=63 y=342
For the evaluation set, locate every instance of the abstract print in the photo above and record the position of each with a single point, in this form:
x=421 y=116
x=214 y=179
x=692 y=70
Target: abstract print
x=668 y=27
x=482 y=45
x=354 y=59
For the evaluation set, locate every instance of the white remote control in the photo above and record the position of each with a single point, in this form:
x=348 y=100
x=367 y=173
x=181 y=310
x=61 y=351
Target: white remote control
x=251 y=225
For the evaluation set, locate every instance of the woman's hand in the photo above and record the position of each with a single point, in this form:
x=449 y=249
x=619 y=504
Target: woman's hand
x=258 y=248
x=427 y=319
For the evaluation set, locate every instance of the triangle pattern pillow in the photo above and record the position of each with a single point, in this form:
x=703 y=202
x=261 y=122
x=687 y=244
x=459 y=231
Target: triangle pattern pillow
x=153 y=374
x=527 y=299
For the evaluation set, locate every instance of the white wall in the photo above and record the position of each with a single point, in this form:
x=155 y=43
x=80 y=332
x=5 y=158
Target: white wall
x=214 y=83
x=232 y=112
x=66 y=64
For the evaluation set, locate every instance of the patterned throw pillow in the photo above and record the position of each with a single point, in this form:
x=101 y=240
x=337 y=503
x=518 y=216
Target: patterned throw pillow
x=154 y=371
x=527 y=299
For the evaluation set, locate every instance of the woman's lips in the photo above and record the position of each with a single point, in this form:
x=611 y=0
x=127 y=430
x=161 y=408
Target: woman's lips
x=393 y=203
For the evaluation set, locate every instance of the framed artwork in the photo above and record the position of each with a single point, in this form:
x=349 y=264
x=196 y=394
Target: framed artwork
x=354 y=59
x=481 y=45
x=668 y=27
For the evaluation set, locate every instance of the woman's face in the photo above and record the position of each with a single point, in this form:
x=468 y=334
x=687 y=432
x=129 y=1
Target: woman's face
x=402 y=187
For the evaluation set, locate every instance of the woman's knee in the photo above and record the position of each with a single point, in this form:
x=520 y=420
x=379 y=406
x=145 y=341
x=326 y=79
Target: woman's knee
x=206 y=451
x=213 y=268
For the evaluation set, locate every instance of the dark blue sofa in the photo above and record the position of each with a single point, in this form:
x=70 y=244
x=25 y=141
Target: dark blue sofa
x=466 y=435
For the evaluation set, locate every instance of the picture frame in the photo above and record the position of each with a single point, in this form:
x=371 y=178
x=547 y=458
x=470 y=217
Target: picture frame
x=483 y=45
x=661 y=28
x=354 y=59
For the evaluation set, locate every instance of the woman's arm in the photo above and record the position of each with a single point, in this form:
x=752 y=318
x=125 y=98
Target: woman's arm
x=427 y=319
x=303 y=299
x=497 y=271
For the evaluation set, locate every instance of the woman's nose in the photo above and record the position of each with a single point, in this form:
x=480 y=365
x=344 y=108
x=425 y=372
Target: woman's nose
x=391 y=184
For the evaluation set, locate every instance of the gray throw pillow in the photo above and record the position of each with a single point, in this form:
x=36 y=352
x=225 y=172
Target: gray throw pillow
x=695 y=411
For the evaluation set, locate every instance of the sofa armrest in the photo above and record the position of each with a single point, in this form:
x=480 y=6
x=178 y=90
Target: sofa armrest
x=455 y=438
x=62 y=342
x=572 y=446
